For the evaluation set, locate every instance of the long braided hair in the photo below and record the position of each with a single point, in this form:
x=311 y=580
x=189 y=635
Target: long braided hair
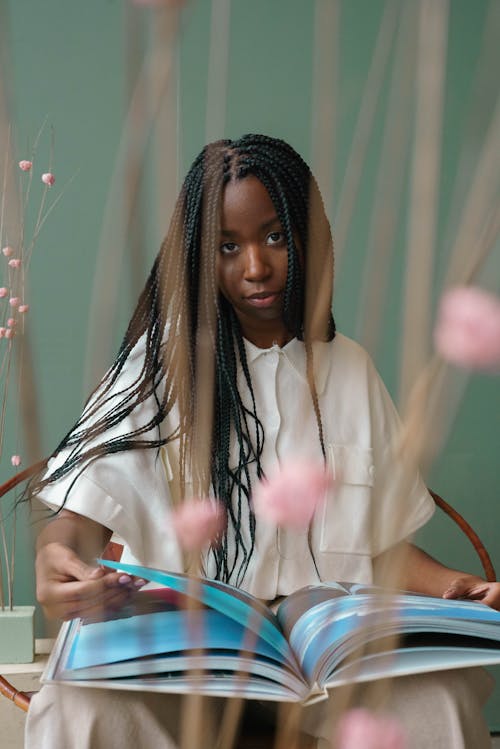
x=173 y=318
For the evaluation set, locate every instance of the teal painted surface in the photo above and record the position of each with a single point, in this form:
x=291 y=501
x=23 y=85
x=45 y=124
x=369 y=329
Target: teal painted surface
x=70 y=64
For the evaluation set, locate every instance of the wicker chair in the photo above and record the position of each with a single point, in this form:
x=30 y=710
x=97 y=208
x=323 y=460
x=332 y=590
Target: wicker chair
x=22 y=699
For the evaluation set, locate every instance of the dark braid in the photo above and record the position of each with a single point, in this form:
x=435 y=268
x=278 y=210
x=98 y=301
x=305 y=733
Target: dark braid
x=169 y=316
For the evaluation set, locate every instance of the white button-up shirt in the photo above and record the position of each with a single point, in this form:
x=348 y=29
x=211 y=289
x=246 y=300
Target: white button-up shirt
x=373 y=505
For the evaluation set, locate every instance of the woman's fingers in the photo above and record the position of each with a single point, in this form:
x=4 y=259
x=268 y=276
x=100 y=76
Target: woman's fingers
x=67 y=586
x=97 y=608
x=475 y=589
x=489 y=594
x=68 y=600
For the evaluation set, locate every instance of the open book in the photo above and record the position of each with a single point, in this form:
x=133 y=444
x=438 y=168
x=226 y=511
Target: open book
x=200 y=635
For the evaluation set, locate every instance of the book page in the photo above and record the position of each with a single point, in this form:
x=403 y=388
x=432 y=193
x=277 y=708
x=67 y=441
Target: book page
x=167 y=632
x=234 y=603
x=299 y=602
x=159 y=642
x=329 y=623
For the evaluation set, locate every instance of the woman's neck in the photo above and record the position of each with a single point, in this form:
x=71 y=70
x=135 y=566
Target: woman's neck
x=267 y=339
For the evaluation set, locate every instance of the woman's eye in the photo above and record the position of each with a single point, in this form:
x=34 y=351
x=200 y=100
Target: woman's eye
x=227 y=248
x=276 y=237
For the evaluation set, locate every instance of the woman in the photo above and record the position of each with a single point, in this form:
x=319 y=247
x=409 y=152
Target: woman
x=245 y=274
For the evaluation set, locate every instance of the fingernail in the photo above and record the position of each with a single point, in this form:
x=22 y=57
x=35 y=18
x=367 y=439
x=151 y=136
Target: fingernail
x=139 y=583
x=124 y=579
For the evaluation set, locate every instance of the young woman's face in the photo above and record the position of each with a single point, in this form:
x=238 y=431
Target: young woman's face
x=252 y=261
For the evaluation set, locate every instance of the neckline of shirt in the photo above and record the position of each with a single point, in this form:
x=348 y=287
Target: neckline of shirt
x=294 y=354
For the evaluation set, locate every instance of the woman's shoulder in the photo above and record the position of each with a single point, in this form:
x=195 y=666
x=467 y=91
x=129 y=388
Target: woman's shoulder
x=342 y=366
x=345 y=352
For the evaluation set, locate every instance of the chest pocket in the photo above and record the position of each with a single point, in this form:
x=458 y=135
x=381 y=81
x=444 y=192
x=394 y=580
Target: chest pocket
x=346 y=523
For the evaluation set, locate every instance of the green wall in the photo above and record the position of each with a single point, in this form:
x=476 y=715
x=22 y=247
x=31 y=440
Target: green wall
x=68 y=62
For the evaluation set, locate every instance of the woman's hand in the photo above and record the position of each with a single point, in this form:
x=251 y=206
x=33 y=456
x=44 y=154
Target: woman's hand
x=68 y=582
x=473 y=588
x=420 y=573
x=67 y=587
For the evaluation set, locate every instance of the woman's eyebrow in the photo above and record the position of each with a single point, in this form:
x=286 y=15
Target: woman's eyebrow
x=272 y=221
x=266 y=225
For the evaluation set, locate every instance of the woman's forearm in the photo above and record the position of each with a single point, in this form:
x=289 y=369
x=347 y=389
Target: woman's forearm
x=69 y=582
x=84 y=536
x=418 y=571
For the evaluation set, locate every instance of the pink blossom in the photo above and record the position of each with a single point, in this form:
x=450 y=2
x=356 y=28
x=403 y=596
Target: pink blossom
x=197 y=522
x=290 y=495
x=15 y=262
x=9 y=332
x=16 y=460
x=3 y=332
x=3 y=292
x=14 y=301
x=11 y=322
x=467 y=331
x=23 y=308
x=25 y=165
x=48 y=179
x=8 y=251
x=362 y=729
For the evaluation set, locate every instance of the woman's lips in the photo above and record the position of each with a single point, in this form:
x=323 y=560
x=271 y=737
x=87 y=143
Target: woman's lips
x=266 y=299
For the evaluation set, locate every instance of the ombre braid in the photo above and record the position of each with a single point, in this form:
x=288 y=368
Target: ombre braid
x=167 y=317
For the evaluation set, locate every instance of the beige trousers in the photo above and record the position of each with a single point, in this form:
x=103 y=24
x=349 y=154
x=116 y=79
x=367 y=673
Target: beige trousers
x=438 y=710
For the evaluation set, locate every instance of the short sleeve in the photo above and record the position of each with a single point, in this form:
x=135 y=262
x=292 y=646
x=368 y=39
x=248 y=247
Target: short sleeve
x=128 y=492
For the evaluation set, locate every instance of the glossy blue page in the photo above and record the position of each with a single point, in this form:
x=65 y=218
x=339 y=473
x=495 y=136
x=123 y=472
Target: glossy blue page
x=158 y=633
x=233 y=603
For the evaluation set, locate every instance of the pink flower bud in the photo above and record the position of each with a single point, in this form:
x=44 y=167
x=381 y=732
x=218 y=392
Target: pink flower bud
x=467 y=331
x=16 y=460
x=48 y=179
x=25 y=165
x=3 y=292
x=23 y=308
x=3 y=332
x=361 y=729
x=197 y=522
x=291 y=494
x=8 y=251
x=9 y=332
x=11 y=322
x=14 y=301
x=15 y=262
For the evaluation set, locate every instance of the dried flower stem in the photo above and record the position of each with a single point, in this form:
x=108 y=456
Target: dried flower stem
x=14 y=202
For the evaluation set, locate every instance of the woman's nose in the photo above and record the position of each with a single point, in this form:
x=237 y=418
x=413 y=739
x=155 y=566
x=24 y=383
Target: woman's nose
x=257 y=267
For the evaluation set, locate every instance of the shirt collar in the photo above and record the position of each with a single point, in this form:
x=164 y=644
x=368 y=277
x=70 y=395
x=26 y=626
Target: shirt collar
x=294 y=354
